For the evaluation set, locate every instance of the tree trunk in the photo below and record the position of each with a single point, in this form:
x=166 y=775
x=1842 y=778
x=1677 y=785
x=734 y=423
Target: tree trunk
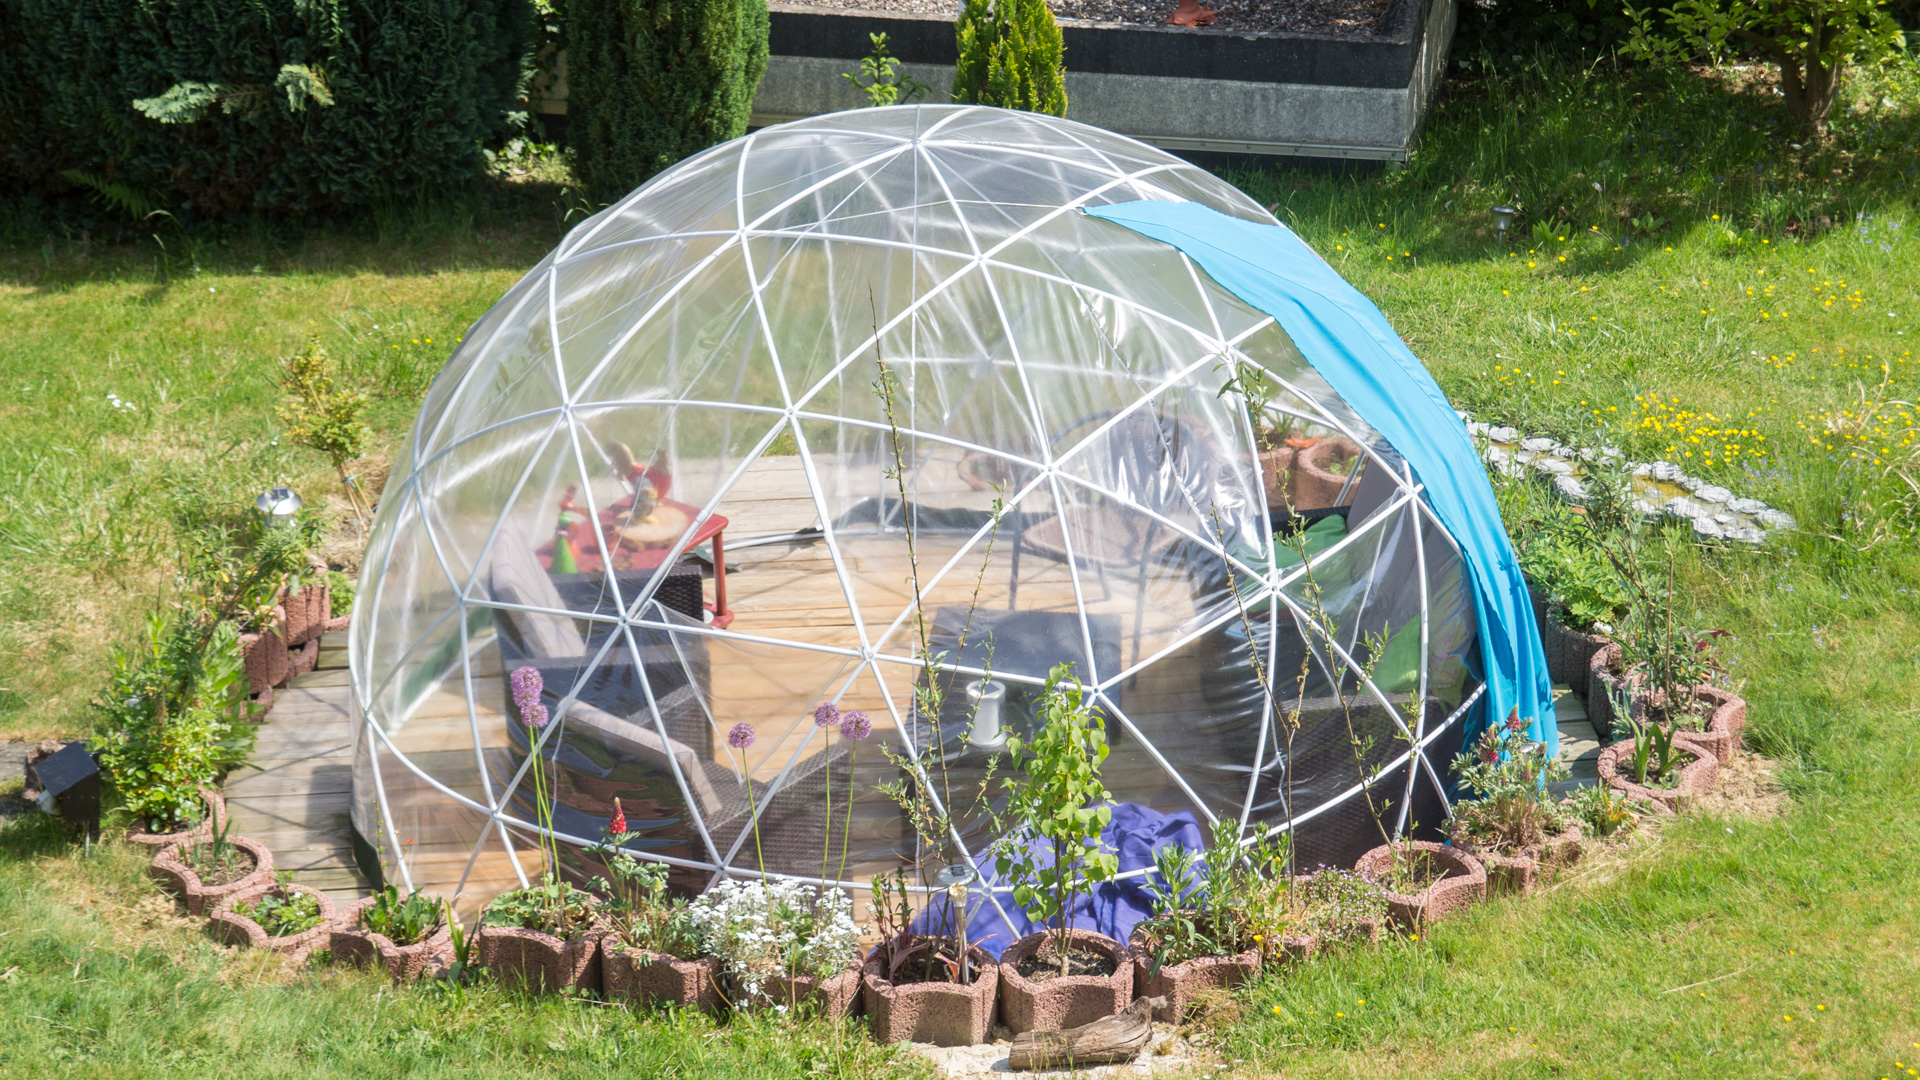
x=1119 y=1037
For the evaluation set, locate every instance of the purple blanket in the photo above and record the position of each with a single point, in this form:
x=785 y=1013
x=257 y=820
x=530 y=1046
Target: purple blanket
x=1113 y=908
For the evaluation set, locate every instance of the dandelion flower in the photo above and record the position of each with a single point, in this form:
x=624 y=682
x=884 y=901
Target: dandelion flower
x=740 y=736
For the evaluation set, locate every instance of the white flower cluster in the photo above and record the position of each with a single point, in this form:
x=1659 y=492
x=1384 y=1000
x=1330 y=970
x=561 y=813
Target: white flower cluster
x=758 y=929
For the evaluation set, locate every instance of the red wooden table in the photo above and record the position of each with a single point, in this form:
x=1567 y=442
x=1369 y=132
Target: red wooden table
x=634 y=550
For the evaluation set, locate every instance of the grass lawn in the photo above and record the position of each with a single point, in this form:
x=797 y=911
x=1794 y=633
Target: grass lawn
x=1689 y=286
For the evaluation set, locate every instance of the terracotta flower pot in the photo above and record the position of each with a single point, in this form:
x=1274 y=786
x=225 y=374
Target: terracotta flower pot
x=304 y=659
x=1314 y=485
x=231 y=926
x=1721 y=734
x=266 y=660
x=1697 y=777
x=354 y=943
x=944 y=1014
x=1276 y=466
x=1178 y=983
x=214 y=819
x=1521 y=872
x=308 y=610
x=177 y=875
x=1059 y=1003
x=1465 y=883
x=644 y=977
x=1602 y=679
x=837 y=997
x=539 y=959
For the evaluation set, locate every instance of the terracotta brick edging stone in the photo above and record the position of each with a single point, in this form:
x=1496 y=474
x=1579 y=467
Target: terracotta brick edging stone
x=1314 y=487
x=1521 y=872
x=1724 y=726
x=176 y=875
x=353 y=943
x=229 y=925
x=1465 y=883
x=1697 y=777
x=215 y=819
x=1061 y=1003
x=837 y=997
x=308 y=612
x=1178 y=983
x=944 y=1014
x=539 y=959
x=642 y=976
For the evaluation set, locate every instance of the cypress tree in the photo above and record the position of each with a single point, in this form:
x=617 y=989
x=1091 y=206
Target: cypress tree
x=652 y=81
x=1010 y=56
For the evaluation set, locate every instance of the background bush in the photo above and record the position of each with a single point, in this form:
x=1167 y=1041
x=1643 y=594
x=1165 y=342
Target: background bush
x=650 y=82
x=285 y=105
x=1010 y=56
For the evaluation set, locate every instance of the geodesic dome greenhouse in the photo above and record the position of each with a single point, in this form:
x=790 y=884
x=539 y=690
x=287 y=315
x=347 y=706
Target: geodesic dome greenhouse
x=666 y=473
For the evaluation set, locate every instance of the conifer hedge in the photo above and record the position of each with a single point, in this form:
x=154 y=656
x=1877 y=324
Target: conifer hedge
x=212 y=106
x=1010 y=56
x=650 y=82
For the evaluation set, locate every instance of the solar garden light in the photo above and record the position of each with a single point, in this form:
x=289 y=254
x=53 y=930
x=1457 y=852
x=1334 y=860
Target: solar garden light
x=1503 y=219
x=987 y=695
x=278 y=506
x=69 y=781
x=955 y=877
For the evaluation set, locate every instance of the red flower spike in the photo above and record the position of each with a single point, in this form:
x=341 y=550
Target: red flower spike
x=617 y=824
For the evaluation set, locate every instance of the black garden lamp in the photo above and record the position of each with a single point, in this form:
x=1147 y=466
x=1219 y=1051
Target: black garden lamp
x=69 y=781
x=1503 y=219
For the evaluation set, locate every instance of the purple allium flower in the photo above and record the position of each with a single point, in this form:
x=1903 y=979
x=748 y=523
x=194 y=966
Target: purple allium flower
x=826 y=714
x=535 y=715
x=740 y=735
x=855 y=725
x=527 y=685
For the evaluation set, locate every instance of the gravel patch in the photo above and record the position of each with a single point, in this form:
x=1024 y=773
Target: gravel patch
x=1255 y=16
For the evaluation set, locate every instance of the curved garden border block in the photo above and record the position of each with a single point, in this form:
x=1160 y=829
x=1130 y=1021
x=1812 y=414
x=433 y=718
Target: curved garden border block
x=644 y=977
x=1465 y=883
x=1178 y=983
x=944 y=1014
x=265 y=657
x=172 y=870
x=1058 y=1004
x=1521 y=873
x=308 y=611
x=538 y=959
x=1697 y=777
x=1314 y=487
x=404 y=963
x=1725 y=727
x=230 y=926
x=836 y=997
x=209 y=823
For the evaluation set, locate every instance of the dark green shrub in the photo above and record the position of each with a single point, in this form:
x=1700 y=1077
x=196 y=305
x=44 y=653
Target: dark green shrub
x=650 y=82
x=210 y=106
x=1010 y=56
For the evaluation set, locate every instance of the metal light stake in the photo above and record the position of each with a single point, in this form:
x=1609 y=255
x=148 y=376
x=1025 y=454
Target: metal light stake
x=1503 y=219
x=278 y=506
x=956 y=877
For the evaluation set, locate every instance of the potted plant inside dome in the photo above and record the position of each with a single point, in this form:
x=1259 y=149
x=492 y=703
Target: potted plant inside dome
x=1050 y=849
x=1276 y=437
x=1509 y=822
x=1206 y=934
x=546 y=934
x=651 y=950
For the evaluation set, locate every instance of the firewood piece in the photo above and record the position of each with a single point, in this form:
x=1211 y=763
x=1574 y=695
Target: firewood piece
x=1115 y=1038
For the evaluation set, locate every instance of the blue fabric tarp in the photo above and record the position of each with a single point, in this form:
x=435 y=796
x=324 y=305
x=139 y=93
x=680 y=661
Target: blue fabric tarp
x=1114 y=908
x=1349 y=342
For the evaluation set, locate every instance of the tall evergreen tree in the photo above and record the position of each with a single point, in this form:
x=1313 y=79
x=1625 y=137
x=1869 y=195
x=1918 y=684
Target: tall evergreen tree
x=650 y=82
x=1010 y=56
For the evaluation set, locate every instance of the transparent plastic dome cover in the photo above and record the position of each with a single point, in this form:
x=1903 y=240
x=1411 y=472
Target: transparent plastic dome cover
x=665 y=473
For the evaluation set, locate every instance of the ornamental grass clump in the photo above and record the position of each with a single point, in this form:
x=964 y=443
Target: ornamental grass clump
x=1507 y=774
x=762 y=929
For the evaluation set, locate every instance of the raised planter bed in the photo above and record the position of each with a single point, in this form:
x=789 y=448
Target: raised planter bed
x=1724 y=726
x=1465 y=883
x=1520 y=873
x=944 y=1014
x=353 y=943
x=172 y=868
x=1697 y=777
x=1059 y=1003
x=836 y=998
x=1569 y=652
x=1179 y=983
x=235 y=928
x=308 y=611
x=538 y=959
x=643 y=977
x=1601 y=683
x=215 y=818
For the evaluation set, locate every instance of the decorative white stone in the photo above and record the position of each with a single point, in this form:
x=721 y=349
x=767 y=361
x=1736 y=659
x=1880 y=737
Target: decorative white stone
x=1553 y=465
x=1708 y=529
x=1645 y=509
x=1475 y=427
x=1570 y=489
x=1538 y=445
x=1643 y=470
x=1502 y=434
x=1681 y=508
x=1666 y=470
x=1724 y=519
x=1692 y=483
x=1746 y=506
x=1747 y=535
x=1774 y=519
x=1710 y=493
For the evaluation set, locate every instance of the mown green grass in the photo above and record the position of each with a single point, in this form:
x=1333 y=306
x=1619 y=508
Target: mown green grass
x=1813 y=908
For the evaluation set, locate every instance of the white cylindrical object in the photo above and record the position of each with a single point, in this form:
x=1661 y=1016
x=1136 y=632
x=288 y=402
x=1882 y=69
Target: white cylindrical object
x=986 y=696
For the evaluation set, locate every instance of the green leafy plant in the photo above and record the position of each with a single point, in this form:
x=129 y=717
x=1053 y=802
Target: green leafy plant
x=650 y=82
x=168 y=718
x=1010 y=56
x=402 y=921
x=1217 y=914
x=639 y=908
x=880 y=80
x=1577 y=580
x=1653 y=753
x=1508 y=773
x=550 y=906
x=217 y=859
x=1058 y=805
x=281 y=914
x=1602 y=810
x=1811 y=40
x=1336 y=905
x=321 y=415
